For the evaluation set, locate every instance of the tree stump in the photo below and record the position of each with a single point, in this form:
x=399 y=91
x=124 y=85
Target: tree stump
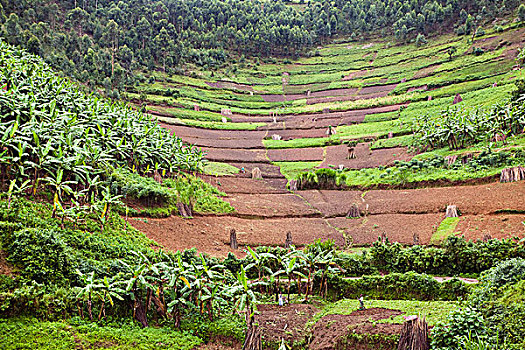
x=390 y=135
x=256 y=173
x=184 y=210
x=157 y=177
x=293 y=185
x=276 y=137
x=429 y=98
x=457 y=99
x=466 y=158
x=233 y=239
x=354 y=212
x=288 y=241
x=330 y=131
x=512 y=174
x=224 y=120
x=451 y=160
x=253 y=339
x=416 y=239
x=351 y=153
x=452 y=211
x=486 y=237
x=414 y=335
x=384 y=238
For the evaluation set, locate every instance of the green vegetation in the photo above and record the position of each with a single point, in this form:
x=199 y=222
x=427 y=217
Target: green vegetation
x=292 y=169
x=423 y=169
x=445 y=229
x=433 y=311
x=27 y=333
x=220 y=169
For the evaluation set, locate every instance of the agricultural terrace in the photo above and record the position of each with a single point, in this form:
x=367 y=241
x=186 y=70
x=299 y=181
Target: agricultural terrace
x=376 y=169
x=352 y=125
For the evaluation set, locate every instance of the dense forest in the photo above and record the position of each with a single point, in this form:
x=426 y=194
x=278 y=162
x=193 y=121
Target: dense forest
x=103 y=42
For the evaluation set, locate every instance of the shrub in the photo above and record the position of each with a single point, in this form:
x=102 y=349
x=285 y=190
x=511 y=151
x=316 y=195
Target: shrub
x=396 y=286
x=459 y=324
x=42 y=255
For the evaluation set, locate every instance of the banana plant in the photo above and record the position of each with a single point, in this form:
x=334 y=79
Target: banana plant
x=259 y=263
x=243 y=295
x=15 y=189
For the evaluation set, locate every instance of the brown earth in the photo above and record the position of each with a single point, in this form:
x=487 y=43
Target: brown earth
x=211 y=233
x=232 y=185
x=235 y=155
x=296 y=154
x=268 y=170
x=271 y=205
x=365 y=158
x=470 y=200
x=222 y=143
x=425 y=72
x=230 y=85
x=5 y=267
x=495 y=226
x=358 y=74
x=186 y=131
x=290 y=134
x=397 y=227
x=374 y=89
x=329 y=330
x=282 y=98
x=286 y=322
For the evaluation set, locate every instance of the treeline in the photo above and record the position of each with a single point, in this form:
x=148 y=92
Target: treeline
x=103 y=42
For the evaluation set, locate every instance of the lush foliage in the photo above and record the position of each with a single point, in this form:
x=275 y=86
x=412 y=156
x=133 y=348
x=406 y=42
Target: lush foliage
x=397 y=286
x=104 y=41
x=457 y=128
x=492 y=318
x=54 y=137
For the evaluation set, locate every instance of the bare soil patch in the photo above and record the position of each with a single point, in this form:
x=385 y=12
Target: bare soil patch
x=296 y=154
x=230 y=85
x=186 y=131
x=365 y=158
x=375 y=89
x=270 y=205
x=233 y=185
x=268 y=170
x=418 y=88
x=358 y=74
x=334 y=92
x=302 y=88
x=316 y=100
x=470 y=200
x=398 y=227
x=290 y=134
x=5 y=267
x=235 y=155
x=496 y=226
x=425 y=72
x=211 y=234
x=224 y=143
x=286 y=322
x=282 y=98
x=330 y=329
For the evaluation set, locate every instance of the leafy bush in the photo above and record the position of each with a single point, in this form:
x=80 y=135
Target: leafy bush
x=397 y=286
x=459 y=324
x=42 y=256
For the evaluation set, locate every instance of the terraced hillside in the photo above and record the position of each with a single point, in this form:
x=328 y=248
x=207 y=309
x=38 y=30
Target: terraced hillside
x=350 y=107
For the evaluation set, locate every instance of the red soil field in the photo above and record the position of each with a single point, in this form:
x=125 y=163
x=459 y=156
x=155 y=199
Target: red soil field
x=211 y=233
x=365 y=158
